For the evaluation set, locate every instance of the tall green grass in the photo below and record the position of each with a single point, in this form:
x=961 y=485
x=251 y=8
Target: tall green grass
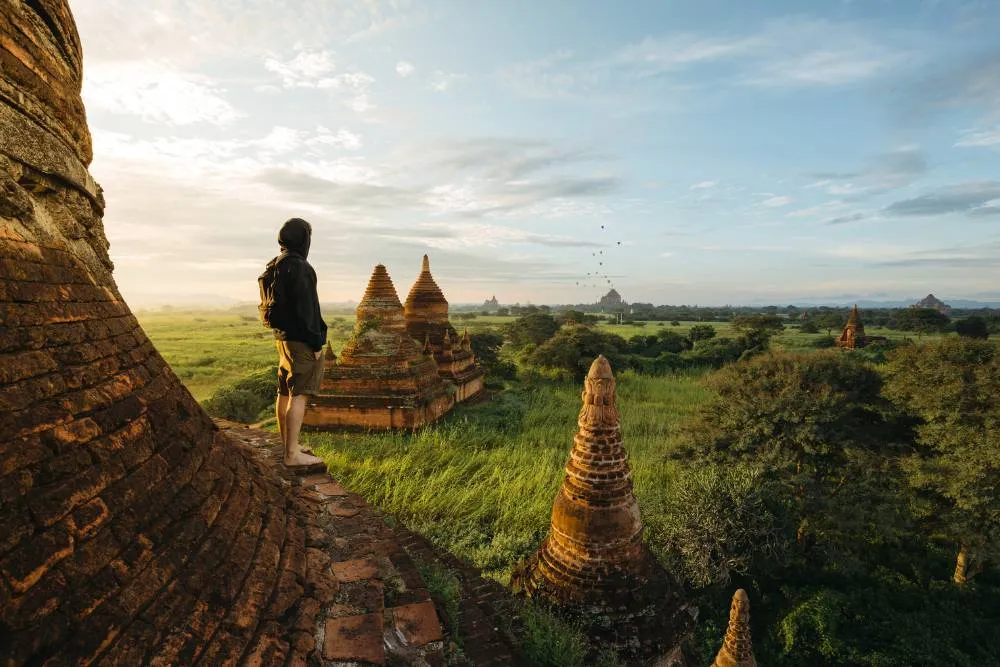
x=481 y=483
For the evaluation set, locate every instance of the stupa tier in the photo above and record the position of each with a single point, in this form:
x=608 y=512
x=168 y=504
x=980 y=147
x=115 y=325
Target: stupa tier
x=383 y=379
x=426 y=313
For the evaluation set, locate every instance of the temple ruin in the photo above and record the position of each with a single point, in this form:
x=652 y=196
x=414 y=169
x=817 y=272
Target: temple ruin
x=384 y=379
x=133 y=530
x=853 y=336
x=593 y=560
x=426 y=313
x=737 y=649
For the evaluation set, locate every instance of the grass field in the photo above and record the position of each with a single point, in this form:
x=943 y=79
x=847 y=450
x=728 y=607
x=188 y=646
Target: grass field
x=212 y=348
x=454 y=481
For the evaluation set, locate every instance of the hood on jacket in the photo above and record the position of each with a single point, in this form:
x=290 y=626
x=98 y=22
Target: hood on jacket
x=295 y=235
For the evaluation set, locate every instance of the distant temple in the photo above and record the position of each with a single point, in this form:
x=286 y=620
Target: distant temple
x=593 y=560
x=853 y=336
x=931 y=301
x=611 y=300
x=426 y=314
x=384 y=379
x=492 y=303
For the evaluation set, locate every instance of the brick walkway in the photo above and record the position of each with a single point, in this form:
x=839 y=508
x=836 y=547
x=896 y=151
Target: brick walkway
x=371 y=605
x=487 y=615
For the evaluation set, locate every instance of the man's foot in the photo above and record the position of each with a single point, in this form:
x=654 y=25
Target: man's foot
x=302 y=459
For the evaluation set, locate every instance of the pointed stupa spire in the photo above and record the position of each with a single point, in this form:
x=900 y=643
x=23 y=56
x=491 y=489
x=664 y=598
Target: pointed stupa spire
x=428 y=350
x=466 y=342
x=426 y=301
x=737 y=650
x=380 y=301
x=854 y=316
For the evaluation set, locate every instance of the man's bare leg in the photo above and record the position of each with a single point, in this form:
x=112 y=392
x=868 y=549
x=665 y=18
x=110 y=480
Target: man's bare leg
x=296 y=411
x=280 y=408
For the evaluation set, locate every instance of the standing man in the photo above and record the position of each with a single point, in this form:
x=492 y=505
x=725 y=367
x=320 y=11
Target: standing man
x=299 y=332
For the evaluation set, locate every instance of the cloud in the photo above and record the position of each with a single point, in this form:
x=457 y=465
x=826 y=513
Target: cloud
x=307 y=69
x=157 y=93
x=882 y=173
x=441 y=81
x=703 y=185
x=776 y=202
x=404 y=69
x=975 y=198
x=980 y=138
x=984 y=256
x=342 y=138
x=844 y=219
x=783 y=53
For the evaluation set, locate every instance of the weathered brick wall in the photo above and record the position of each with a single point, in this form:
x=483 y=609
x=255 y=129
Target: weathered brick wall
x=131 y=531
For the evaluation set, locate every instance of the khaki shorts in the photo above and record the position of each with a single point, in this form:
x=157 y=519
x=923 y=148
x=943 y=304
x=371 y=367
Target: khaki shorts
x=299 y=371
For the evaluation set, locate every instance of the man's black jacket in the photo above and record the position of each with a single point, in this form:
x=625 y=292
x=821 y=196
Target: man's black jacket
x=295 y=282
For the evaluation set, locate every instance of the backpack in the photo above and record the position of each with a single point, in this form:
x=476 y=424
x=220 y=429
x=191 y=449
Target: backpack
x=272 y=306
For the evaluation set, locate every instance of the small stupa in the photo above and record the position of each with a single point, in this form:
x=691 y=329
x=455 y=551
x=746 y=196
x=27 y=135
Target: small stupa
x=737 y=650
x=853 y=336
x=383 y=379
x=593 y=560
x=426 y=313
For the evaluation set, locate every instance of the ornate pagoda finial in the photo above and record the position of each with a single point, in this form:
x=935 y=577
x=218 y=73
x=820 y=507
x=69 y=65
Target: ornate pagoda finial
x=737 y=650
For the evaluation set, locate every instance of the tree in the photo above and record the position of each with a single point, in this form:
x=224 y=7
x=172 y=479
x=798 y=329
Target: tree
x=921 y=320
x=819 y=427
x=953 y=387
x=701 y=332
x=809 y=326
x=830 y=320
x=574 y=348
x=745 y=323
x=531 y=329
x=973 y=326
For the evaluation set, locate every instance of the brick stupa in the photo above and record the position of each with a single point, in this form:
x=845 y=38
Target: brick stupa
x=593 y=560
x=737 y=650
x=853 y=336
x=383 y=379
x=426 y=312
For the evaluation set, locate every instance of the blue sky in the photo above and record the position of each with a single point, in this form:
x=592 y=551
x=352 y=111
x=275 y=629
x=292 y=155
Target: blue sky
x=734 y=152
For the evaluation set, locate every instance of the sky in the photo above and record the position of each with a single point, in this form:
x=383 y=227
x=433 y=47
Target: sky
x=684 y=151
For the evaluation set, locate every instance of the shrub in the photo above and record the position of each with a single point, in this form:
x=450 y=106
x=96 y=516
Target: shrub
x=245 y=400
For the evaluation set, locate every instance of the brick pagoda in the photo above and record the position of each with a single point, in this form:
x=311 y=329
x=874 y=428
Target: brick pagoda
x=737 y=649
x=853 y=336
x=383 y=379
x=593 y=560
x=426 y=313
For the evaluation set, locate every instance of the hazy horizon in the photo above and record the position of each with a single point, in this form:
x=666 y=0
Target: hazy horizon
x=703 y=152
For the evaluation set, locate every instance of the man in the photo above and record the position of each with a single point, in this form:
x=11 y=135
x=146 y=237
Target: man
x=300 y=343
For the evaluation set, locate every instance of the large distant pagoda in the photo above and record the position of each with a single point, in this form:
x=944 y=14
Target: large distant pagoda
x=383 y=378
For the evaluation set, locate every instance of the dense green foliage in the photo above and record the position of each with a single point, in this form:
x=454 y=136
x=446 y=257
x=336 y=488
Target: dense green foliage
x=248 y=400
x=953 y=388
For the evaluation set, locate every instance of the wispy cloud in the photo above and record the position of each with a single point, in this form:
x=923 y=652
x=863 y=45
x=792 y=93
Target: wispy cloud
x=404 y=68
x=977 y=198
x=703 y=185
x=307 y=69
x=157 y=93
x=882 y=173
x=776 y=201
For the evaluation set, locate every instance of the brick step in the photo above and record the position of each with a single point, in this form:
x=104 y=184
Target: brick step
x=373 y=606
